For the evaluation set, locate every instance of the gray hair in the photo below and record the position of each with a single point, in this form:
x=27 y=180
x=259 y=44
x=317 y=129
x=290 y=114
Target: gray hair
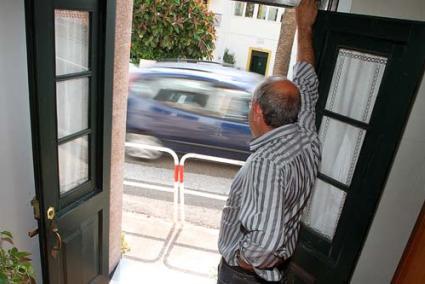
x=279 y=106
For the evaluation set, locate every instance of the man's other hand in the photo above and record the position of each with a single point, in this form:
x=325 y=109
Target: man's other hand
x=306 y=14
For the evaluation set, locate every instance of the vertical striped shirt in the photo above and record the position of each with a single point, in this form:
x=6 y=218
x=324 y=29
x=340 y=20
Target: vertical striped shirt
x=261 y=219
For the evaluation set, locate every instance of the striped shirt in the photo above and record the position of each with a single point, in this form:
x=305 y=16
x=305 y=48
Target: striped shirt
x=261 y=219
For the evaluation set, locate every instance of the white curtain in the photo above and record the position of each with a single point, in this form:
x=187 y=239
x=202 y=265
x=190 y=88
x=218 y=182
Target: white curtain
x=324 y=209
x=72 y=96
x=72 y=41
x=72 y=100
x=73 y=163
x=354 y=88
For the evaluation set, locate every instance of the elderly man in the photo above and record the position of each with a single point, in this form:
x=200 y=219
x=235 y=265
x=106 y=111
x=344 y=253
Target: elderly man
x=261 y=219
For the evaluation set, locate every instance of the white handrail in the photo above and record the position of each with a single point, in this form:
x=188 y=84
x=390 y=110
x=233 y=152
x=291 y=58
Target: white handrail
x=198 y=157
x=176 y=169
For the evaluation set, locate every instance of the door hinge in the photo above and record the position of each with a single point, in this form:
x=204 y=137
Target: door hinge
x=36 y=208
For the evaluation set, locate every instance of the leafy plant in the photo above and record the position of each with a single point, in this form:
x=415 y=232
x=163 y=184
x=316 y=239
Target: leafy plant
x=172 y=29
x=15 y=265
x=228 y=57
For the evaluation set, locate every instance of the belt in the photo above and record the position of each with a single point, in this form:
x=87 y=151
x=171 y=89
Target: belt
x=247 y=276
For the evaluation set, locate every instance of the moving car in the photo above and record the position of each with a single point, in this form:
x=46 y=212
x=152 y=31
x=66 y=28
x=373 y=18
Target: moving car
x=191 y=108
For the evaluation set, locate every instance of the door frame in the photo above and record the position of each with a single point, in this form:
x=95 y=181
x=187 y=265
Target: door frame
x=264 y=50
x=107 y=36
x=361 y=213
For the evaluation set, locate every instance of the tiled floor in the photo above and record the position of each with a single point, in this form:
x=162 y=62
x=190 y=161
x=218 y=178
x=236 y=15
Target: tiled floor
x=165 y=253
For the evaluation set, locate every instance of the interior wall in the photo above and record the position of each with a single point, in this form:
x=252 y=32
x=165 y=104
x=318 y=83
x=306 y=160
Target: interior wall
x=16 y=165
x=404 y=193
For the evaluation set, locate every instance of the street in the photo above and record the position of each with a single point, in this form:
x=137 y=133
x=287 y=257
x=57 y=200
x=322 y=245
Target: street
x=148 y=188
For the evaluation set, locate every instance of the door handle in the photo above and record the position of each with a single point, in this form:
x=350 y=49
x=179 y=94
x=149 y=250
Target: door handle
x=51 y=216
x=58 y=246
x=58 y=239
x=33 y=233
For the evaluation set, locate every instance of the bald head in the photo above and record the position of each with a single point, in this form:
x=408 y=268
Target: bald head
x=279 y=100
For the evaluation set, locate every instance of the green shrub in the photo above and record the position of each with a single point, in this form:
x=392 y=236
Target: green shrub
x=15 y=265
x=229 y=58
x=171 y=29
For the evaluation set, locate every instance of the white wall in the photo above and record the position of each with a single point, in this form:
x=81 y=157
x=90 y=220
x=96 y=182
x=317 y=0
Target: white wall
x=238 y=34
x=404 y=193
x=16 y=165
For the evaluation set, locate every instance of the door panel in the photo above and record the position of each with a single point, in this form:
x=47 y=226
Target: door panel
x=369 y=69
x=70 y=54
x=259 y=61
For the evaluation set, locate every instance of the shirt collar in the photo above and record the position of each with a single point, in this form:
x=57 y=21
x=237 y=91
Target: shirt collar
x=279 y=132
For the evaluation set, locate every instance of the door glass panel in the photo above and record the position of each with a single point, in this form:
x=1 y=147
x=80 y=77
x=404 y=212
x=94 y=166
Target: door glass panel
x=341 y=149
x=324 y=209
x=73 y=163
x=355 y=84
x=72 y=99
x=72 y=41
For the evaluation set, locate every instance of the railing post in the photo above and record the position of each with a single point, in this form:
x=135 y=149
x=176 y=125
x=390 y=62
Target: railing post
x=176 y=170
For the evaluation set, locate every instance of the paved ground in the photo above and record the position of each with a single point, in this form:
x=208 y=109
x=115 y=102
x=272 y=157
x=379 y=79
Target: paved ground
x=162 y=251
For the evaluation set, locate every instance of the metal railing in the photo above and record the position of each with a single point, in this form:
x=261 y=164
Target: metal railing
x=179 y=190
x=176 y=170
x=198 y=193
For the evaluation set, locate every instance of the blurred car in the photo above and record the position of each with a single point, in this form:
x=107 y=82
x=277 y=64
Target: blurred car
x=191 y=108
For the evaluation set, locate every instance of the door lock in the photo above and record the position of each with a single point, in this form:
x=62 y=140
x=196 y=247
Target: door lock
x=51 y=213
x=36 y=208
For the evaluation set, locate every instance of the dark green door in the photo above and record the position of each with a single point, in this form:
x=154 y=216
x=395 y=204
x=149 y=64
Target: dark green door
x=369 y=70
x=258 y=62
x=70 y=55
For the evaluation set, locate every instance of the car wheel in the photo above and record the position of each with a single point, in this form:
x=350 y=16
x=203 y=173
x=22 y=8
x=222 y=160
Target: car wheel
x=144 y=140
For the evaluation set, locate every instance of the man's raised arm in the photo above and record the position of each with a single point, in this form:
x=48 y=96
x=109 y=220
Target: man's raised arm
x=304 y=75
x=306 y=14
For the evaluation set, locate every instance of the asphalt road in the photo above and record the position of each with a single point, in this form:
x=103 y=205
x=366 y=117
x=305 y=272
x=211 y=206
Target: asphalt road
x=147 y=186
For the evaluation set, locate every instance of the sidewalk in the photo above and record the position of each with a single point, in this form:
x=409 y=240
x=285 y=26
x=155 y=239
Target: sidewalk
x=165 y=253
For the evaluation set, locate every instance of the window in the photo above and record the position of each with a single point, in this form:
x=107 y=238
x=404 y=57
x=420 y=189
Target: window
x=249 y=12
x=182 y=98
x=233 y=103
x=262 y=11
x=239 y=7
x=272 y=14
x=351 y=99
x=73 y=97
x=238 y=109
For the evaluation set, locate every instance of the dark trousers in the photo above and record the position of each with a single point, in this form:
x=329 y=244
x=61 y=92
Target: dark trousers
x=236 y=275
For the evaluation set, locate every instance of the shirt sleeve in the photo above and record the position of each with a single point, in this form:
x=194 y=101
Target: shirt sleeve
x=306 y=79
x=261 y=215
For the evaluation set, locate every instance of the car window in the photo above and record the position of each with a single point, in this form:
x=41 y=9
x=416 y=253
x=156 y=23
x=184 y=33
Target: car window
x=235 y=103
x=179 y=97
x=190 y=95
x=143 y=87
x=238 y=108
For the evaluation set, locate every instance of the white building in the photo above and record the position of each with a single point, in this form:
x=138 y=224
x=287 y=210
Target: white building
x=249 y=31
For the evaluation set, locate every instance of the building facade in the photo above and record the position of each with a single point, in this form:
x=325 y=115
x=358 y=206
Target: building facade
x=250 y=32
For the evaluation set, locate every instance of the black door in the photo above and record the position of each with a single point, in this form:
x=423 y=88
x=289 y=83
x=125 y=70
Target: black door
x=369 y=70
x=258 y=62
x=70 y=55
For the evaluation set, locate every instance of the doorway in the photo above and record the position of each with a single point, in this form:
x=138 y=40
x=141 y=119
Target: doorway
x=258 y=61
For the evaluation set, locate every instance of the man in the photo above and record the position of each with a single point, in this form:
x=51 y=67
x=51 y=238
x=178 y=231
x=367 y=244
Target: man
x=261 y=219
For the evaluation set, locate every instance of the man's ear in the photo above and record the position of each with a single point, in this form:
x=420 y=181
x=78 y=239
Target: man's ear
x=257 y=111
